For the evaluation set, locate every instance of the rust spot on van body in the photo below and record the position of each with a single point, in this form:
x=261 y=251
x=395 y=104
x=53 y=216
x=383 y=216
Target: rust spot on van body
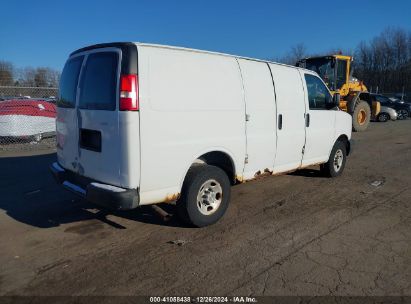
x=172 y=197
x=267 y=172
x=285 y=172
x=239 y=178
x=306 y=166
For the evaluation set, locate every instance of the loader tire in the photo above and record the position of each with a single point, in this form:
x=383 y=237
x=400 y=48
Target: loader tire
x=361 y=116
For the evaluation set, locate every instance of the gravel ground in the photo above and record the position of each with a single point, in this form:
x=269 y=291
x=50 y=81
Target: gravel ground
x=296 y=234
x=17 y=146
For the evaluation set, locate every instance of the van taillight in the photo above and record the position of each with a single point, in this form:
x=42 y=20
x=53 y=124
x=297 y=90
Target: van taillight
x=129 y=93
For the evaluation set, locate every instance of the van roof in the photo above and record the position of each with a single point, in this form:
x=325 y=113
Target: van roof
x=116 y=44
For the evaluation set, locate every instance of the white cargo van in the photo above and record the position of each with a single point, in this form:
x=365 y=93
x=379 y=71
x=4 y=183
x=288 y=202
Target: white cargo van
x=142 y=124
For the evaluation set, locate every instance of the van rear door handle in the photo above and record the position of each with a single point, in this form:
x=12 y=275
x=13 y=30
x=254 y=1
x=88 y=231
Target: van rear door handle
x=307 y=120
x=280 y=121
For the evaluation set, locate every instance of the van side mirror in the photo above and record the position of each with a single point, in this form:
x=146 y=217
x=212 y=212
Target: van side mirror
x=333 y=101
x=336 y=99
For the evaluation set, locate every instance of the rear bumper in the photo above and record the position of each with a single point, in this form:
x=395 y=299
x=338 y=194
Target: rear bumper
x=104 y=195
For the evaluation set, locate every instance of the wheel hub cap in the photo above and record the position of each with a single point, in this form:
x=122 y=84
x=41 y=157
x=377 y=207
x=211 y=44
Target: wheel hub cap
x=361 y=117
x=209 y=197
x=338 y=160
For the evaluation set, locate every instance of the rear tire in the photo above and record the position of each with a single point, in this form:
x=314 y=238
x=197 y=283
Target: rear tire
x=361 y=116
x=205 y=196
x=336 y=163
x=383 y=117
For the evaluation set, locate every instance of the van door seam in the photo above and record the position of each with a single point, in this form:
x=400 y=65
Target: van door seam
x=276 y=114
x=245 y=113
x=305 y=113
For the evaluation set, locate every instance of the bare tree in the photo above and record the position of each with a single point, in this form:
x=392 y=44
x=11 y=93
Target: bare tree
x=52 y=77
x=37 y=77
x=385 y=61
x=6 y=73
x=295 y=53
x=298 y=51
x=40 y=78
x=28 y=77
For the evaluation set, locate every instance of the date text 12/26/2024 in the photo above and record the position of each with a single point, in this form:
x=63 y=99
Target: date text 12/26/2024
x=175 y=299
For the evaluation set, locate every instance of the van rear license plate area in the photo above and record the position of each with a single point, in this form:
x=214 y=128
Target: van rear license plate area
x=90 y=140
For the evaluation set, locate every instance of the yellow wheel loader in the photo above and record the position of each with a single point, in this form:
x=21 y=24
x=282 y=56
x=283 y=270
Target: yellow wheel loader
x=336 y=71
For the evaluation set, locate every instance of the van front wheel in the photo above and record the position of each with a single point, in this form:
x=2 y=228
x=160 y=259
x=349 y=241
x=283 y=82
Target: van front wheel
x=205 y=196
x=336 y=163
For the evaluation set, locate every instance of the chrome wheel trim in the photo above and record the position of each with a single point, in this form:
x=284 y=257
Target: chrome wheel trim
x=209 y=197
x=383 y=117
x=338 y=160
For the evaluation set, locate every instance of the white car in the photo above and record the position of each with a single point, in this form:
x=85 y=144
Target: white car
x=387 y=113
x=142 y=124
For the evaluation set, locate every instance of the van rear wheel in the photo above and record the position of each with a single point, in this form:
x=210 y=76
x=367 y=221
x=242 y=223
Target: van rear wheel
x=205 y=196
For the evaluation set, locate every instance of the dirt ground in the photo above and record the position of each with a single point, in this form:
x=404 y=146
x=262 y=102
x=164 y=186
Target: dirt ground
x=294 y=234
x=17 y=146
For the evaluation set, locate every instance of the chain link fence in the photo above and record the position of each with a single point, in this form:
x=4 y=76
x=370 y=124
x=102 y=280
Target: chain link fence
x=27 y=118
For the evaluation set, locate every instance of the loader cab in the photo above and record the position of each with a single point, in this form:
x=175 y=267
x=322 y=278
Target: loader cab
x=334 y=69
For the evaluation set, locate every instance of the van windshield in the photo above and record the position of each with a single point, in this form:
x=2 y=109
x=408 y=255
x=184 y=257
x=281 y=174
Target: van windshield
x=98 y=86
x=324 y=68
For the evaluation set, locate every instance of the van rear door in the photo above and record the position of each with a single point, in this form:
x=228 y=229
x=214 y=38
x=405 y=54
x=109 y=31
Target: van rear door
x=97 y=116
x=66 y=125
x=88 y=133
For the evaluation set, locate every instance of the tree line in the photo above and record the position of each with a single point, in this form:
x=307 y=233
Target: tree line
x=385 y=61
x=28 y=76
x=382 y=63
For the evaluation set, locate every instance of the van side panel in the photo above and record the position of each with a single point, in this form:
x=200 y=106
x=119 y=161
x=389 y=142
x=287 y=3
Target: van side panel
x=190 y=103
x=291 y=106
x=261 y=117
